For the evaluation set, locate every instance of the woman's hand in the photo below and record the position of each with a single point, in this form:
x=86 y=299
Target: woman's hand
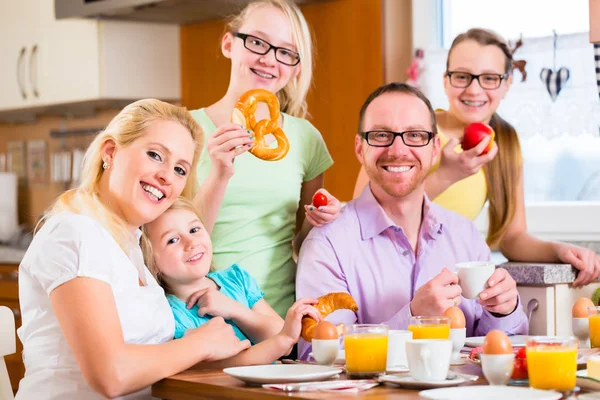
x=217 y=339
x=292 y=326
x=212 y=302
x=585 y=260
x=227 y=142
x=319 y=216
x=457 y=166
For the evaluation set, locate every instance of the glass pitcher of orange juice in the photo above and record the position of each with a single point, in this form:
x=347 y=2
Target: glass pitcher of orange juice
x=429 y=327
x=366 y=347
x=552 y=362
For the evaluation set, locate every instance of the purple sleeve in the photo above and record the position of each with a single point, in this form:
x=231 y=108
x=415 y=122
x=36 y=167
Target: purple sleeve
x=319 y=273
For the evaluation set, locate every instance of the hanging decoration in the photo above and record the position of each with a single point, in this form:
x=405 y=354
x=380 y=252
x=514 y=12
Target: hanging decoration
x=518 y=64
x=416 y=69
x=555 y=80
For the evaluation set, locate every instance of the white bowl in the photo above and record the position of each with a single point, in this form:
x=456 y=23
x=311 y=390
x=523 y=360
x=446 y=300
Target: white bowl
x=497 y=368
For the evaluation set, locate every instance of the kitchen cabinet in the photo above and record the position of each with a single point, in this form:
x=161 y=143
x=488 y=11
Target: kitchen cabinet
x=595 y=21
x=9 y=296
x=46 y=63
x=550 y=287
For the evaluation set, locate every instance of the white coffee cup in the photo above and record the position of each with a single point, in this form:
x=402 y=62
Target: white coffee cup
x=396 y=357
x=473 y=277
x=428 y=359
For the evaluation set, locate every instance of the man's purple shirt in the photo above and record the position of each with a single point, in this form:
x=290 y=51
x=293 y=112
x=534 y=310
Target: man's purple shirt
x=363 y=253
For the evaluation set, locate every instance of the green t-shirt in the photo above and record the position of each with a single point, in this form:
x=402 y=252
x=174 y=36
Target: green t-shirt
x=255 y=225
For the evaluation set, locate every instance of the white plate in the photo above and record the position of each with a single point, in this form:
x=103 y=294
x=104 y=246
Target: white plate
x=474 y=341
x=586 y=382
x=488 y=392
x=412 y=383
x=282 y=373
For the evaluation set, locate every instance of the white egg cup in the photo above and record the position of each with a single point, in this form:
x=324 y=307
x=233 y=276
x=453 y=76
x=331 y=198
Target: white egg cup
x=497 y=368
x=581 y=329
x=458 y=337
x=325 y=351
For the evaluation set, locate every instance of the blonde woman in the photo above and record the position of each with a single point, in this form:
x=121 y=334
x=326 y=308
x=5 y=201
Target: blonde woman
x=95 y=322
x=257 y=210
x=478 y=76
x=178 y=251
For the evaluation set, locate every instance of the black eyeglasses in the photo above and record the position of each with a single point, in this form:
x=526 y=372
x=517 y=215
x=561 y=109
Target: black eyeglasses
x=460 y=79
x=386 y=138
x=262 y=47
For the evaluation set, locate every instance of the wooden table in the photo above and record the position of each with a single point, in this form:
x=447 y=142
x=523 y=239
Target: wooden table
x=193 y=385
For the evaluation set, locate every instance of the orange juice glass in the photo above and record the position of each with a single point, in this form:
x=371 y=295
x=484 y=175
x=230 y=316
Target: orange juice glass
x=429 y=327
x=366 y=350
x=552 y=362
x=594 y=322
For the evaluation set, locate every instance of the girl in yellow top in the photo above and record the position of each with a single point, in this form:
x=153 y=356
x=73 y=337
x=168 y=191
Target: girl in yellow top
x=478 y=76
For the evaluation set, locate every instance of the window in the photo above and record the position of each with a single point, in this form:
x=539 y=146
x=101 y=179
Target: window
x=512 y=18
x=560 y=139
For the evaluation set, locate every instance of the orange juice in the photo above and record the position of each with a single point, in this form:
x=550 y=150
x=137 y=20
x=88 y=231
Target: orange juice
x=594 y=321
x=430 y=331
x=552 y=367
x=366 y=353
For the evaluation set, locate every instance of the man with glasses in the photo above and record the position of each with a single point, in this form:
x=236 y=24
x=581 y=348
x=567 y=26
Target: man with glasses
x=392 y=249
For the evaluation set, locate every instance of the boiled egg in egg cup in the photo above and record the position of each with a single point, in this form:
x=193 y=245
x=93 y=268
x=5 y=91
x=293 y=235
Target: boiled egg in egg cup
x=458 y=333
x=580 y=322
x=325 y=343
x=497 y=358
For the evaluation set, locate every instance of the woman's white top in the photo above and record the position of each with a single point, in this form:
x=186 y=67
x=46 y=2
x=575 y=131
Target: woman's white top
x=66 y=247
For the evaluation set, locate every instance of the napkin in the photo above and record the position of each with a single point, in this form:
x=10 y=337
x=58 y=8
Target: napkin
x=342 y=386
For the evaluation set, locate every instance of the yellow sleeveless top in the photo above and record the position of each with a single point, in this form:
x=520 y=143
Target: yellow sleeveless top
x=465 y=197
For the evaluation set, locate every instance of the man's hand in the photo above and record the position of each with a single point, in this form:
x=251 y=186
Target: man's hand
x=502 y=295
x=437 y=295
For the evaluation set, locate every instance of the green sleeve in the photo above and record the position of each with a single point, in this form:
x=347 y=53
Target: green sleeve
x=318 y=159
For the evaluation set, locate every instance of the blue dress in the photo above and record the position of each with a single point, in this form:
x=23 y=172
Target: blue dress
x=235 y=283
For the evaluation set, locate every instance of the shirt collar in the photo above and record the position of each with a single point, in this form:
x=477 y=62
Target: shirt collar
x=373 y=220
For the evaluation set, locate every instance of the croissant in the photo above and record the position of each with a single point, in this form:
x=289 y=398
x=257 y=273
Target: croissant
x=326 y=305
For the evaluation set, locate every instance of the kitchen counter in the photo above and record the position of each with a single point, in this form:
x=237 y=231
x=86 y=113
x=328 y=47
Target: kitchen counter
x=540 y=273
x=11 y=255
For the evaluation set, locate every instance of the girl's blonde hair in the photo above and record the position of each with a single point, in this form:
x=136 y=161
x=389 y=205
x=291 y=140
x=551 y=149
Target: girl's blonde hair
x=292 y=98
x=504 y=171
x=126 y=127
x=181 y=203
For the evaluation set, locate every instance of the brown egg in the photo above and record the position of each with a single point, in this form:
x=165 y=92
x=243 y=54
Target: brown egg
x=457 y=318
x=496 y=342
x=325 y=330
x=580 y=308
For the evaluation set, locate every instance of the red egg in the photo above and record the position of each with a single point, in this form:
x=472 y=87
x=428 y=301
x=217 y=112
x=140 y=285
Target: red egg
x=325 y=330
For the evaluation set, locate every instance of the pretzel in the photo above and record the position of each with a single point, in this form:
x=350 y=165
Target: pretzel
x=326 y=305
x=243 y=114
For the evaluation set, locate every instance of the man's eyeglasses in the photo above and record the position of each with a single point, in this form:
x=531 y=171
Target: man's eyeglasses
x=262 y=47
x=386 y=138
x=460 y=79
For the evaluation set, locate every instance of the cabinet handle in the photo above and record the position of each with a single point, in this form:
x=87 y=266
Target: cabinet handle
x=19 y=69
x=32 y=74
x=531 y=307
x=17 y=312
x=12 y=276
